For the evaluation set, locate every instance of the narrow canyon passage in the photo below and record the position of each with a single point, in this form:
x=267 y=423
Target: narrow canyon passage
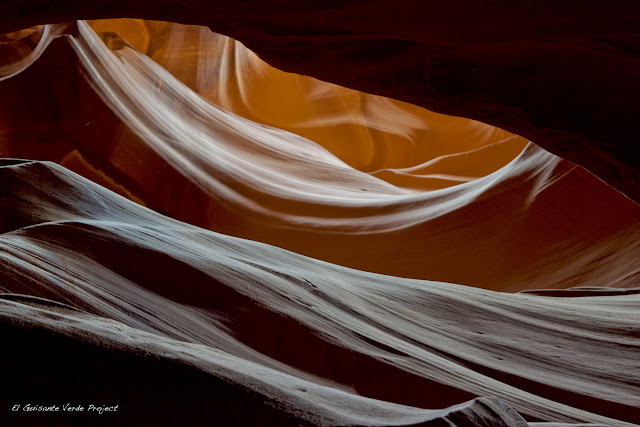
x=193 y=236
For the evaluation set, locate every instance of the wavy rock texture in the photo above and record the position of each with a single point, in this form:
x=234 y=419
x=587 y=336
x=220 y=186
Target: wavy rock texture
x=232 y=304
x=395 y=141
x=205 y=325
x=140 y=132
x=561 y=74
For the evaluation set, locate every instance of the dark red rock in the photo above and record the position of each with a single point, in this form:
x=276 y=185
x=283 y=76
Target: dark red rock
x=564 y=75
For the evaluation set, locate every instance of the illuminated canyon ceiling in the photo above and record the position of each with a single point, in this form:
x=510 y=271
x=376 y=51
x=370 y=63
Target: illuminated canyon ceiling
x=362 y=213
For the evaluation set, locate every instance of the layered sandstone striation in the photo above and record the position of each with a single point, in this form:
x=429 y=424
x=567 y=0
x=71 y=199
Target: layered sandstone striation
x=559 y=74
x=133 y=127
x=298 y=340
x=193 y=236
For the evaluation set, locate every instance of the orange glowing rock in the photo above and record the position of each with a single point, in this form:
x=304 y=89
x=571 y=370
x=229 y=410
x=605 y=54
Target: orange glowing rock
x=241 y=244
